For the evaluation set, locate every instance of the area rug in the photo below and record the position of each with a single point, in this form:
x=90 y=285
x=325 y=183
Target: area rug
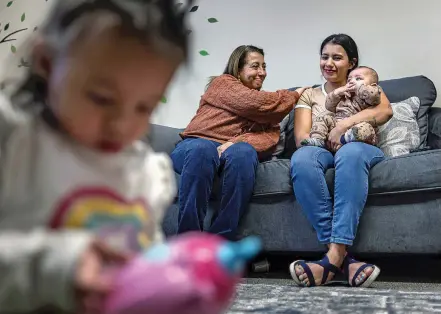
x=267 y=298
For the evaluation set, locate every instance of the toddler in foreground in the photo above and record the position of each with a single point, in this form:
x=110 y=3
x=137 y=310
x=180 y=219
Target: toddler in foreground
x=359 y=93
x=79 y=191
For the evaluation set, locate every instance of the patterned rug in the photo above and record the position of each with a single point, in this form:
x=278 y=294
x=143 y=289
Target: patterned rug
x=264 y=298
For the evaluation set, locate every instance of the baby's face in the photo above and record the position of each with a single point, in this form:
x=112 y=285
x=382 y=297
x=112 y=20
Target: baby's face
x=105 y=89
x=361 y=76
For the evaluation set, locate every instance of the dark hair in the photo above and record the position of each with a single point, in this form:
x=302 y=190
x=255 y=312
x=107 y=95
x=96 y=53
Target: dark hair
x=160 y=23
x=372 y=72
x=237 y=60
x=348 y=45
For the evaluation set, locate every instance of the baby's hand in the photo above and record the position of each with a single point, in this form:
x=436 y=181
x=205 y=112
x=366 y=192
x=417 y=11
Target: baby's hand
x=352 y=87
x=342 y=91
x=92 y=284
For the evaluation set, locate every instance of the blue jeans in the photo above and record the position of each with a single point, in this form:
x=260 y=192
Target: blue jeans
x=338 y=222
x=197 y=161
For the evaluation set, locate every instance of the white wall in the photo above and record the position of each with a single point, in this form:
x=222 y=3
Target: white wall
x=22 y=14
x=397 y=38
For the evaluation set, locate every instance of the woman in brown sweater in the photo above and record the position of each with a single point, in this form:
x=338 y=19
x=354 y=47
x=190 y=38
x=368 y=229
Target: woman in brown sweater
x=235 y=126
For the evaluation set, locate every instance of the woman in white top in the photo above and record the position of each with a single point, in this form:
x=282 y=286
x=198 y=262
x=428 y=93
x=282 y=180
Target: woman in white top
x=335 y=222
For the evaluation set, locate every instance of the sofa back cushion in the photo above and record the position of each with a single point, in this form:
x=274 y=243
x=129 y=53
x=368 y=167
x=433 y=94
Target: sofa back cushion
x=162 y=138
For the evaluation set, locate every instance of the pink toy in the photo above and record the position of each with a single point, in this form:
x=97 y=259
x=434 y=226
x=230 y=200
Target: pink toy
x=193 y=273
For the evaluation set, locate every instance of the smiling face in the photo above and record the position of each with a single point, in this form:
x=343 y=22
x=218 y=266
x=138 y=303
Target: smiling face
x=104 y=89
x=335 y=63
x=253 y=73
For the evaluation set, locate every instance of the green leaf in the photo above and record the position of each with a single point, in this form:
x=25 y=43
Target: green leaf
x=23 y=17
x=164 y=99
x=9 y=3
x=203 y=53
x=13 y=49
x=6 y=27
x=194 y=8
x=212 y=20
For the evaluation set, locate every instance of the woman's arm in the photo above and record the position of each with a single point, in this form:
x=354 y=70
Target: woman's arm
x=302 y=124
x=303 y=117
x=376 y=116
x=226 y=92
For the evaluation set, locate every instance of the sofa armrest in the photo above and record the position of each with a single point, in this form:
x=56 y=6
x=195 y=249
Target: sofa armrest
x=434 y=138
x=163 y=138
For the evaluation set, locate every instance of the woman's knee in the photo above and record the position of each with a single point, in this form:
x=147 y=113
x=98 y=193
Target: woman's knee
x=354 y=152
x=304 y=157
x=358 y=153
x=200 y=148
x=196 y=156
x=307 y=158
x=351 y=149
x=241 y=153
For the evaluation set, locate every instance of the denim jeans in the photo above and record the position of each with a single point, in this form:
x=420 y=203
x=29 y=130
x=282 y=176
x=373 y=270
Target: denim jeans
x=338 y=222
x=197 y=161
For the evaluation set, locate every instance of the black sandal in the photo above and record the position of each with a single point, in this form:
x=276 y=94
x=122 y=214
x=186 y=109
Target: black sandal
x=367 y=282
x=327 y=268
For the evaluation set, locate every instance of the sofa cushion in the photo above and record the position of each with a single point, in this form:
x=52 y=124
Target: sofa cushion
x=408 y=173
x=401 y=134
x=420 y=86
x=415 y=172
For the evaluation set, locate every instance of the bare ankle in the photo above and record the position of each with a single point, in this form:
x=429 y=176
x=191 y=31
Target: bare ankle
x=337 y=253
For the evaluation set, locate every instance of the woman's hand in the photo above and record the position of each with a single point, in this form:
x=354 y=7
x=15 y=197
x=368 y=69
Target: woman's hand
x=335 y=135
x=223 y=147
x=92 y=284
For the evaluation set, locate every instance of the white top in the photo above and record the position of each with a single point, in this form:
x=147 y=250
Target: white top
x=309 y=107
x=53 y=190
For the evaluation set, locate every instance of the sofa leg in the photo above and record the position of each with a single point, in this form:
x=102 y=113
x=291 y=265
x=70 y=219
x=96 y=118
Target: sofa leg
x=262 y=266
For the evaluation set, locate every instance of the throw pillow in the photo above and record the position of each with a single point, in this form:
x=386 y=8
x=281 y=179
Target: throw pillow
x=420 y=86
x=401 y=134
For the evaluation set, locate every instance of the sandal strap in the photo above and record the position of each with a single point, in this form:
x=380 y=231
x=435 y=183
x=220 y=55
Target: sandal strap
x=327 y=268
x=308 y=272
x=359 y=270
x=347 y=262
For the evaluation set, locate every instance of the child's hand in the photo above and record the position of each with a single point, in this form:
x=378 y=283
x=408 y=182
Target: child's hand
x=343 y=91
x=353 y=87
x=92 y=283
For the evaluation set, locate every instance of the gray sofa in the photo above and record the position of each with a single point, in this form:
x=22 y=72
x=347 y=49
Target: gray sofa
x=403 y=210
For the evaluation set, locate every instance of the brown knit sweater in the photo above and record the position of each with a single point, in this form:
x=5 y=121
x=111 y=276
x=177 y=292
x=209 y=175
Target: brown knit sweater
x=232 y=112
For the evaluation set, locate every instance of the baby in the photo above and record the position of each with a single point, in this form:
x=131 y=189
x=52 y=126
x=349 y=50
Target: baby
x=359 y=93
x=79 y=191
